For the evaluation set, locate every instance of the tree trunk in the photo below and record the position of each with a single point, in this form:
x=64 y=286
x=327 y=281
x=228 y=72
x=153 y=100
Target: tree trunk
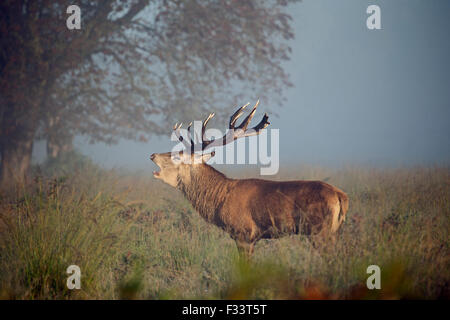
x=16 y=160
x=59 y=140
x=58 y=146
x=16 y=146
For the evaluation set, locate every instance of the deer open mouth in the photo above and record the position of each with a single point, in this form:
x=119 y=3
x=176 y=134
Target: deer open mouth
x=156 y=172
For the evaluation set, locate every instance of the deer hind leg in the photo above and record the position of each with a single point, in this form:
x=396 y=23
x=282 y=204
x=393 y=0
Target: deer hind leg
x=245 y=249
x=335 y=210
x=325 y=237
x=322 y=240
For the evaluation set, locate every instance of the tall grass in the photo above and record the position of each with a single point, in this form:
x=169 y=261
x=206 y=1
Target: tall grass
x=136 y=238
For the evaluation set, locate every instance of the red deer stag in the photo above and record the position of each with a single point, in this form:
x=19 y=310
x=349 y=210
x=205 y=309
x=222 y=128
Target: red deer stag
x=249 y=209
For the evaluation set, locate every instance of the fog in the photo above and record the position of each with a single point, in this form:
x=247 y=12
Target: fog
x=360 y=96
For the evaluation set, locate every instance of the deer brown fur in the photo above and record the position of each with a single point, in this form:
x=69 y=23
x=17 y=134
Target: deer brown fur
x=253 y=209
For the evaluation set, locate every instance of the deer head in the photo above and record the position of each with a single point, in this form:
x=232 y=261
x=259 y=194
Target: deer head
x=179 y=166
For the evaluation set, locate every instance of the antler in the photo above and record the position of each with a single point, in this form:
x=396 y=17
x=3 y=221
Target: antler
x=176 y=129
x=232 y=134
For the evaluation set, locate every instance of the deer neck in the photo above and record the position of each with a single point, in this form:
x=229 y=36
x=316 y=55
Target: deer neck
x=206 y=189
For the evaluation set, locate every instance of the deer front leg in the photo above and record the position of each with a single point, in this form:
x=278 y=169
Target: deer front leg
x=245 y=249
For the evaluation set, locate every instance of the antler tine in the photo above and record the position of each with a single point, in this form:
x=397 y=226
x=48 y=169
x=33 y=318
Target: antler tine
x=260 y=126
x=176 y=129
x=190 y=135
x=263 y=123
x=177 y=126
x=211 y=115
x=236 y=115
x=247 y=120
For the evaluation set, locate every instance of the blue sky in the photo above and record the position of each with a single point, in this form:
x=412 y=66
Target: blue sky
x=377 y=97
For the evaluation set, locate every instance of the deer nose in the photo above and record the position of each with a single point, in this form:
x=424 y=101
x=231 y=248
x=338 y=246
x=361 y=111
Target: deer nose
x=152 y=156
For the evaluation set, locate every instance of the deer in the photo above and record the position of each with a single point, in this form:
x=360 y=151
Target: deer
x=249 y=209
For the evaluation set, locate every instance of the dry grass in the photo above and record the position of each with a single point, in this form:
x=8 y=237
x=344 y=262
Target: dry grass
x=134 y=237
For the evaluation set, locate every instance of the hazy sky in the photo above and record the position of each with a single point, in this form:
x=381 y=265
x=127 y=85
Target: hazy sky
x=379 y=97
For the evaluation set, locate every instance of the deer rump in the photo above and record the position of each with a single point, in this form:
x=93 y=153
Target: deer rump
x=256 y=209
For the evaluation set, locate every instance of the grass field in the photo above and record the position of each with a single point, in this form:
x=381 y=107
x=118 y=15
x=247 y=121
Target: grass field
x=135 y=238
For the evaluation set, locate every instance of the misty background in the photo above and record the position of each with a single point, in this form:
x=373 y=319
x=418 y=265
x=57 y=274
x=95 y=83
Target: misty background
x=370 y=97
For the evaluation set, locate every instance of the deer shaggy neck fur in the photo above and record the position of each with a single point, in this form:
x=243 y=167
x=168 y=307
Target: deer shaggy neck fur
x=206 y=189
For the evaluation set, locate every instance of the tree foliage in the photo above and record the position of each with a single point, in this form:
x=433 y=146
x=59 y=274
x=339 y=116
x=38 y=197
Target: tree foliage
x=135 y=66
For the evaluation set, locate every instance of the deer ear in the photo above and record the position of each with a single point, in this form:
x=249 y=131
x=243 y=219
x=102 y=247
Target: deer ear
x=207 y=156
